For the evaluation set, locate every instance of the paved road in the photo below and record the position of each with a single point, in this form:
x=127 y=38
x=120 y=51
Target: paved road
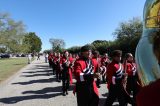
x=34 y=85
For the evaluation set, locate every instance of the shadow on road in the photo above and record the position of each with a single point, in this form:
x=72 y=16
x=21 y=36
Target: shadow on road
x=12 y=100
x=105 y=94
x=44 y=71
x=44 y=93
x=46 y=90
x=36 y=81
x=38 y=70
x=103 y=100
x=35 y=75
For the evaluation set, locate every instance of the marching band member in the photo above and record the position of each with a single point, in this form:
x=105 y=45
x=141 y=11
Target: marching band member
x=86 y=89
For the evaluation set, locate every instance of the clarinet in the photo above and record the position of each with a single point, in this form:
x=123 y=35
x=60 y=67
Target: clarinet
x=67 y=62
x=99 y=70
x=125 y=77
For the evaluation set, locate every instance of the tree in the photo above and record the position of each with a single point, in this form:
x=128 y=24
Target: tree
x=128 y=35
x=2 y=49
x=57 y=44
x=31 y=43
x=11 y=33
x=74 y=49
x=47 y=51
x=101 y=45
x=129 y=29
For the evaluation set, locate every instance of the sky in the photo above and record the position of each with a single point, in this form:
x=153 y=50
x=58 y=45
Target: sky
x=77 y=22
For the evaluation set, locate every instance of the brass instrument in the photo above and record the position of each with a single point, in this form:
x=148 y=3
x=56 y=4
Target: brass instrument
x=148 y=48
x=67 y=62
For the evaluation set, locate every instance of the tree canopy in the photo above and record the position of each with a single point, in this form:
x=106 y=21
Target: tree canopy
x=11 y=33
x=127 y=36
x=57 y=44
x=32 y=43
x=13 y=36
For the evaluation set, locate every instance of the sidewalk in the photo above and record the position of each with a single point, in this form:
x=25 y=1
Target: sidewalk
x=34 y=85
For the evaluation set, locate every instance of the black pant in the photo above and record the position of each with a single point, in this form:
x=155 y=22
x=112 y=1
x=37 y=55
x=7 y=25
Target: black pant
x=104 y=78
x=53 y=68
x=86 y=95
x=38 y=58
x=58 y=75
x=50 y=63
x=65 y=80
x=65 y=85
x=98 y=82
x=132 y=86
x=116 y=92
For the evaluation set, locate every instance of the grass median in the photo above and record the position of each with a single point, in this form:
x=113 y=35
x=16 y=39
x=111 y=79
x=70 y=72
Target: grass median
x=10 y=66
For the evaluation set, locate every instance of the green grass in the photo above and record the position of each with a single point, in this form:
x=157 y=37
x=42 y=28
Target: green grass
x=10 y=66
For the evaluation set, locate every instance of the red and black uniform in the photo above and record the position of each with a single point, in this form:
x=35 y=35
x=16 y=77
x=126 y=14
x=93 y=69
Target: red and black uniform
x=132 y=79
x=71 y=69
x=50 y=59
x=98 y=61
x=149 y=95
x=86 y=89
x=65 y=74
x=72 y=65
x=104 y=63
x=116 y=90
x=53 y=64
x=57 y=68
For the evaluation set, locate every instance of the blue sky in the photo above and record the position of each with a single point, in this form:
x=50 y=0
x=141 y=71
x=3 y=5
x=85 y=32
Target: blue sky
x=77 y=22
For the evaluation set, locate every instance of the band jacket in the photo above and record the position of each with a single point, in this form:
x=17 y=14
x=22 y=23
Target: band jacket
x=81 y=76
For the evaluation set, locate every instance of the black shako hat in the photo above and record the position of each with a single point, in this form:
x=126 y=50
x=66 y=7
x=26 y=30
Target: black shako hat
x=116 y=53
x=85 y=48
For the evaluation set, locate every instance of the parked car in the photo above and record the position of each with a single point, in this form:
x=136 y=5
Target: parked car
x=5 y=56
x=17 y=55
x=23 y=55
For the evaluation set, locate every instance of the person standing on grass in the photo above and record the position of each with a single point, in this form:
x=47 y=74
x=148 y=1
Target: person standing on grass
x=29 y=58
x=38 y=56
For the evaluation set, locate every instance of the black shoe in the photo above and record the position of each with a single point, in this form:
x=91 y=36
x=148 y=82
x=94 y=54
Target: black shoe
x=64 y=94
x=104 y=81
x=98 y=86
